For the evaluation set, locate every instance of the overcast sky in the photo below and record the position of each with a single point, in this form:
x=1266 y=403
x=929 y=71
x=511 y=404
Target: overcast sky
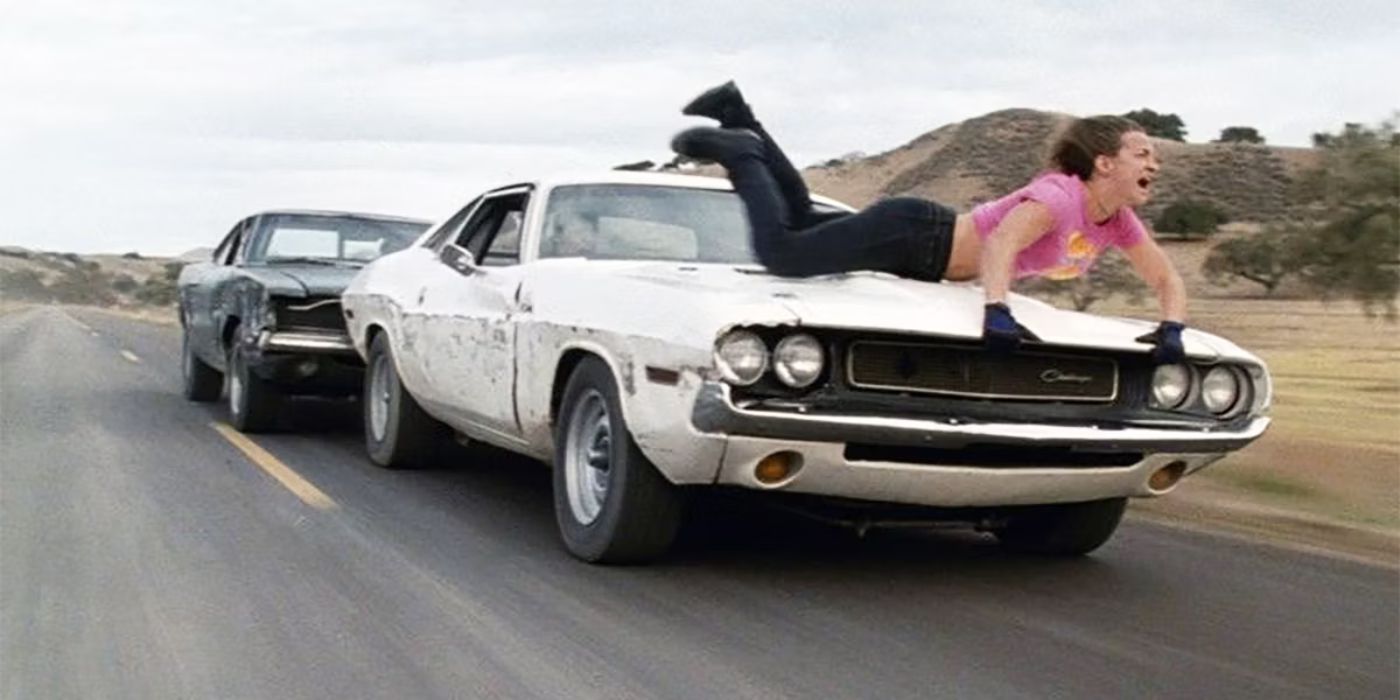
x=153 y=125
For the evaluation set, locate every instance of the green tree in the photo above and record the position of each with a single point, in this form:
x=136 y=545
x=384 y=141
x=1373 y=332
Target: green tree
x=1350 y=206
x=1190 y=218
x=1266 y=258
x=1239 y=134
x=1165 y=126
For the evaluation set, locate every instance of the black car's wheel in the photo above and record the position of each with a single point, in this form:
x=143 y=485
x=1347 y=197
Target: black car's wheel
x=611 y=503
x=202 y=382
x=1070 y=529
x=253 y=402
x=398 y=433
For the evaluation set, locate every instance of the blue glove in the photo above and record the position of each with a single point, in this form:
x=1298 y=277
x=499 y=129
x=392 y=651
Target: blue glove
x=1000 y=331
x=1167 y=338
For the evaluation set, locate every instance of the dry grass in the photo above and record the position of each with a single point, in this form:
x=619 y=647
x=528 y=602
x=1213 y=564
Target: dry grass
x=1333 y=451
x=10 y=306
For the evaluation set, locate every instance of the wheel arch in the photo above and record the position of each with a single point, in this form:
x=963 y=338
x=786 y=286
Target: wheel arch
x=372 y=330
x=569 y=360
x=231 y=323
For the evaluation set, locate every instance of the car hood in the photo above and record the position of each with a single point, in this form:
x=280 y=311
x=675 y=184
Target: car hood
x=303 y=281
x=884 y=303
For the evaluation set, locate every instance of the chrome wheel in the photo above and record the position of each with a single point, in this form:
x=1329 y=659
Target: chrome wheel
x=379 y=390
x=588 y=457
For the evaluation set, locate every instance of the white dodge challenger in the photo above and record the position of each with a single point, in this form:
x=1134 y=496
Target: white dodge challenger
x=617 y=327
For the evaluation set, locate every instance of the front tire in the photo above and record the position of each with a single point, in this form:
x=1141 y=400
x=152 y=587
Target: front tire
x=399 y=434
x=611 y=503
x=202 y=383
x=1064 y=530
x=253 y=402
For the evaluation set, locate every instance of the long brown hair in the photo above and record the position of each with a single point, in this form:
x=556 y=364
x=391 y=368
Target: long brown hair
x=1086 y=139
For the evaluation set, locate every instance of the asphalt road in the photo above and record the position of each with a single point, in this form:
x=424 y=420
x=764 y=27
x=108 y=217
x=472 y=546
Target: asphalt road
x=143 y=555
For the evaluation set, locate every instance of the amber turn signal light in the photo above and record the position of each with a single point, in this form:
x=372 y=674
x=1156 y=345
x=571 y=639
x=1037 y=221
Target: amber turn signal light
x=1167 y=476
x=776 y=467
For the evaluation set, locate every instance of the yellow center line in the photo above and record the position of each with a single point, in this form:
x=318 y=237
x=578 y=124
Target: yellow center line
x=301 y=488
x=131 y=357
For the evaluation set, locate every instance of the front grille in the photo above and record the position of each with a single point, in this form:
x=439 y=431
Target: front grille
x=312 y=314
x=972 y=372
x=1008 y=457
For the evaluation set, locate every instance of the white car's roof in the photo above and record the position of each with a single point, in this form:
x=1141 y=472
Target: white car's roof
x=341 y=214
x=633 y=177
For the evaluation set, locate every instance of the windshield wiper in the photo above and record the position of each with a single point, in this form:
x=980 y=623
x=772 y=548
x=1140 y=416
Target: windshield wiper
x=333 y=262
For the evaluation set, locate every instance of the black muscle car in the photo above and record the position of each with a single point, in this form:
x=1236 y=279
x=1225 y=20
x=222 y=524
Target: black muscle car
x=265 y=310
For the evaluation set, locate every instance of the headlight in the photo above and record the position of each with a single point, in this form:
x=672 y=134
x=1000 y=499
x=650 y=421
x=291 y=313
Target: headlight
x=798 y=360
x=1171 y=384
x=741 y=357
x=1220 y=390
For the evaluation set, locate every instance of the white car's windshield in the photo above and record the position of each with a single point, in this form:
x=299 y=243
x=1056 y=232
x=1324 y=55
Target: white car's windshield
x=645 y=222
x=302 y=238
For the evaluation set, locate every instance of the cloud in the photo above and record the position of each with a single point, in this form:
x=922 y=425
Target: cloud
x=152 y=126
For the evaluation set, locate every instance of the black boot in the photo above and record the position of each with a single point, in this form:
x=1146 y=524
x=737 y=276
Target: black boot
x=718 y=145
x=723 y=103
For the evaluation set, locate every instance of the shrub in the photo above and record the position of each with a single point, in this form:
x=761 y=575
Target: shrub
x=83 y=286
x=161 y=290
x=1190 y=218
x=1239 y=134
x=125 y=283
x=24 y=283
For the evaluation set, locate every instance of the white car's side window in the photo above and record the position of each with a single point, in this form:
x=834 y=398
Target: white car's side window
x=492 y=233
x=448 y=230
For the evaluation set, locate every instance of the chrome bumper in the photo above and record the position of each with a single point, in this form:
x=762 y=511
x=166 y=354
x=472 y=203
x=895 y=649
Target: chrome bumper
x=306 y=343
x=826 y=467
x=715 y=413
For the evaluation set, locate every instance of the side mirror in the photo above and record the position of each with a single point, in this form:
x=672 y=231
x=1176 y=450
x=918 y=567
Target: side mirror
x=458 y=258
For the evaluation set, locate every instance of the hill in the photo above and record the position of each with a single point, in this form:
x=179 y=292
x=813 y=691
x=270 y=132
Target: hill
x=100 y=280
x=966 y=163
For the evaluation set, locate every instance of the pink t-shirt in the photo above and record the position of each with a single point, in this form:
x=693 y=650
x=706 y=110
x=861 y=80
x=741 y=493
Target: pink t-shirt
x=1074 y=242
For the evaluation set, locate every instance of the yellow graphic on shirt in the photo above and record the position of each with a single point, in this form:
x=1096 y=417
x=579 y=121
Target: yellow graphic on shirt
x=1080 y=253
x=1080 y=247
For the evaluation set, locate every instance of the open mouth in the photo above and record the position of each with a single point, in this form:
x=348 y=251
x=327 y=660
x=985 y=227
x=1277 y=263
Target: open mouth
x=1144 y=184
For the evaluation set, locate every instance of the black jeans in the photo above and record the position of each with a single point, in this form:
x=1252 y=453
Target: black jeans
x=905 y=236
